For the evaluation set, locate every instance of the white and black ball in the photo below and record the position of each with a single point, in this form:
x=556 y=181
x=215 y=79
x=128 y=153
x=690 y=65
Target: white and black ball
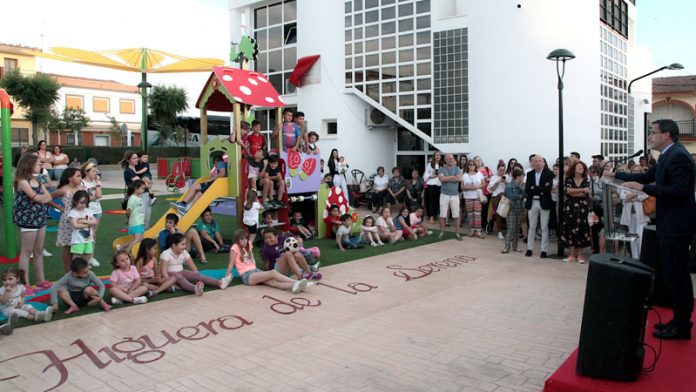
x=291 y=245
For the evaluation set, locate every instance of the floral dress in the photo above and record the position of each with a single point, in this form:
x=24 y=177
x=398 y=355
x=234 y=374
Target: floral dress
x=64 y=227
x=576 y=229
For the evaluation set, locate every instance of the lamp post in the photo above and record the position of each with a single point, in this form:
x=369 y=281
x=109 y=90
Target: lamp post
x=560 y=56
x=672 y=66
x=144 y=86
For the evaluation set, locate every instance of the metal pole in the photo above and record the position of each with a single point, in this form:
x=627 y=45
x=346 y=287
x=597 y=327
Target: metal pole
x=143 y=122
x=11 y=244
x=561 y=183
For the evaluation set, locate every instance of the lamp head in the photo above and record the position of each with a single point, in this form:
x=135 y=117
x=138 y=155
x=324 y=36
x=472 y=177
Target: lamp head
x=560 y=55
x=144 y=85
x=674 y=66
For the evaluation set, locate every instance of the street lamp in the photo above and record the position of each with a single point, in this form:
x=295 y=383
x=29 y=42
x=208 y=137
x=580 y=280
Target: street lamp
x=560 y=56
x=670 y=67
x=144 y=86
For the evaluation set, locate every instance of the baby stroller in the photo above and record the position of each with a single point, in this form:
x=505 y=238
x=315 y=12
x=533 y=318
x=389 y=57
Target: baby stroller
x=358 y=186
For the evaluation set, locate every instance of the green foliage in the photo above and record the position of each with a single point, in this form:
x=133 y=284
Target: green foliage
x=165 y=103
x=247 y=50
x=36 y=93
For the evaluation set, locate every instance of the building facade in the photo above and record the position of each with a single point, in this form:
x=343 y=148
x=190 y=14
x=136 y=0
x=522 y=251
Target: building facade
x=397 y=80
x=102 y=101
x=13 y=58
x=675 y=98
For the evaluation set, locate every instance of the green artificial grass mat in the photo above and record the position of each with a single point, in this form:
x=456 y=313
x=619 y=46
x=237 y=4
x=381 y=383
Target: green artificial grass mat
x=108 y=231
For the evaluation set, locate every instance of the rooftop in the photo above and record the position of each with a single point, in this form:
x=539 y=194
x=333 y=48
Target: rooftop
x=94 y=84
x=674 y=84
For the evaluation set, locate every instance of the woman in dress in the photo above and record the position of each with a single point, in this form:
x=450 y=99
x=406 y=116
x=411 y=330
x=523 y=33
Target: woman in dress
x=576 y=230
x=432 y=187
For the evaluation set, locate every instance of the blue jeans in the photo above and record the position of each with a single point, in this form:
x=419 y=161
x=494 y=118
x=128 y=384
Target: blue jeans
x=351 y=242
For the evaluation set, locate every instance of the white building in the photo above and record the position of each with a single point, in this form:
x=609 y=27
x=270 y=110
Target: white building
x=100 y=99
x=398 y=79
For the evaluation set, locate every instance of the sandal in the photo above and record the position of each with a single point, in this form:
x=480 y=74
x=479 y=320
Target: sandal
x=570 y=259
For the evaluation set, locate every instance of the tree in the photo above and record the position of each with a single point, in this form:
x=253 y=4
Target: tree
x=74 y=120
x=117 y=130
x=36 y=93
x=165 y=102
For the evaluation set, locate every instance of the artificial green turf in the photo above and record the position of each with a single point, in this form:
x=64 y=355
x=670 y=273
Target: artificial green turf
x=112 y=191
x=108 y=231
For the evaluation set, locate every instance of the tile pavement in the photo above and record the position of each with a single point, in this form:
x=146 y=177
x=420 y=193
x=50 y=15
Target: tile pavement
x=489 y=323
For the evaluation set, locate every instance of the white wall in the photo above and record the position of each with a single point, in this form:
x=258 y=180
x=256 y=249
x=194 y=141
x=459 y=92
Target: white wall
x=364 y=149
x=114 y=109
x=513 y=99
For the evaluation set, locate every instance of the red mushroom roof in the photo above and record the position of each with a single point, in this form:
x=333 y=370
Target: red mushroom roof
x=247 y=87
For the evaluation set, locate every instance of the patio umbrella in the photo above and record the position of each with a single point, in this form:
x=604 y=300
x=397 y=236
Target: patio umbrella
x=141 y=60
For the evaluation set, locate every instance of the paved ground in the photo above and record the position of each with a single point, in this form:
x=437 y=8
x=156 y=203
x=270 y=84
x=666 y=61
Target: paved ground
x=474 y=321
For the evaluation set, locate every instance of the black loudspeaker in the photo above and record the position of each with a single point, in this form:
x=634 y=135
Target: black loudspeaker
x=614 y=318
x=650 y=256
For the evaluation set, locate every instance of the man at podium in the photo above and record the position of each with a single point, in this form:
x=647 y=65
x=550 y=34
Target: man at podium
x=671 y=181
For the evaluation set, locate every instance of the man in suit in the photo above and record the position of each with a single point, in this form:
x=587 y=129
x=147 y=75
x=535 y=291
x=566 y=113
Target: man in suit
x=673 y=187
x=538 y=203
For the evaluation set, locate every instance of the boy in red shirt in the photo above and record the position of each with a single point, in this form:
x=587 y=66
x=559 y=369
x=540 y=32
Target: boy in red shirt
x=256 y=141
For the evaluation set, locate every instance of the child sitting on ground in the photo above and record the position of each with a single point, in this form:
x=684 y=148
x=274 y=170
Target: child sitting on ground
x=75 y=288
x=332 y=221
x=298 y=225
x=125 y=281
x=401 y=223
x=273 y=180
x=147 y=265
x=268 y=222
x=343 y=238
x=192 y=237
x=368 y=232
x=242 y=258
x=273 y=253
x=211 y=238
x=386 y=229
x=415 y=219
x=172 y=263
x=195 y=192
x=13 y=295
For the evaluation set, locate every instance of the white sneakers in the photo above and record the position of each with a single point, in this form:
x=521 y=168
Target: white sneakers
x=199 y=289
x=93 y=262
x=116 y=301
x=47 y=253
x=224 y=282
x=44 y=316
x=299 y=286
x=140 y=300
x=500 y=235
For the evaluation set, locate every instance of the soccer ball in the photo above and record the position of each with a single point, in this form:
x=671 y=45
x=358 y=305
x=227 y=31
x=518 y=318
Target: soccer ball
x=291 y=245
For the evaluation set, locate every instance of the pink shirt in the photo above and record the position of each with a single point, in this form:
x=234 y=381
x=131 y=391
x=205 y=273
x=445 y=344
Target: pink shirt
x=243 y=263
x=124 y=280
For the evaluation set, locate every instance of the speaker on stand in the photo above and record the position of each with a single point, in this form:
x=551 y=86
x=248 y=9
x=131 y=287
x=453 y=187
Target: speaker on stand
x=614 y=318
x=650 y=256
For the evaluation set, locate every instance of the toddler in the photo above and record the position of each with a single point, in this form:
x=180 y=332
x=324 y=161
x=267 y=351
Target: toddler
x=368 y=232
x=12 y=296
x=343 y=238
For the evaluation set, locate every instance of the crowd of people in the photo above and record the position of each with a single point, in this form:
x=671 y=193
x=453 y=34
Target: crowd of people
x=507 y=200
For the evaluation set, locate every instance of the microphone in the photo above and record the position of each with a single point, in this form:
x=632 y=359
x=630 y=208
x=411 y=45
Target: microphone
x=639 y=152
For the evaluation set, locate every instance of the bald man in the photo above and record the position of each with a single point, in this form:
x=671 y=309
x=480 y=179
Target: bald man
x=450 y=176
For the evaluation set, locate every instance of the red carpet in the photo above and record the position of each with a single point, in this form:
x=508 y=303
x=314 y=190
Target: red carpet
x=675 y=371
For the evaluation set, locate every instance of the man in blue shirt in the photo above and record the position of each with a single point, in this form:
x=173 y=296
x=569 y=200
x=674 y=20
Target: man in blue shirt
x=450 y=176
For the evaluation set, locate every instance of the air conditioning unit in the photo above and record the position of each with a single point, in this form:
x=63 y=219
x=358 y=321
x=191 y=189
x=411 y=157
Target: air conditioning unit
x=374 y=118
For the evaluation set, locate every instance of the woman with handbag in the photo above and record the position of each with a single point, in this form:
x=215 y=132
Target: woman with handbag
x=514 y=191
x=497 y=188
x=472 y=185
x=29 y=213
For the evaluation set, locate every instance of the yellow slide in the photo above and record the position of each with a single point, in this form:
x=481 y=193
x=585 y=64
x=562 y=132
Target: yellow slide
x=219 y=188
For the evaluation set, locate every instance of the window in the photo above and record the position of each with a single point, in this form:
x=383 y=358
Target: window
x=275 y=28
x=73 y=102
x=71 y=139
x=331 y=127
x=101 y=140
x=20 y=136
x=100 y=105
x=615 y=14
x=126 y=106
x=10 y=65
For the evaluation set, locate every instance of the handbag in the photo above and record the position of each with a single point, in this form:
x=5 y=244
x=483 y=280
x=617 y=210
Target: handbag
x=503 y=207
x=649 y=205
x=482 y=197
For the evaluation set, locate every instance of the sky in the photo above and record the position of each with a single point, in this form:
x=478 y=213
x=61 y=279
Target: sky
x=200 y=28
x=189 y=28
x=668 y=27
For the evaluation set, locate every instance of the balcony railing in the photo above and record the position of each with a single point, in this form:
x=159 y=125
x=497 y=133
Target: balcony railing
x=687 y=128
